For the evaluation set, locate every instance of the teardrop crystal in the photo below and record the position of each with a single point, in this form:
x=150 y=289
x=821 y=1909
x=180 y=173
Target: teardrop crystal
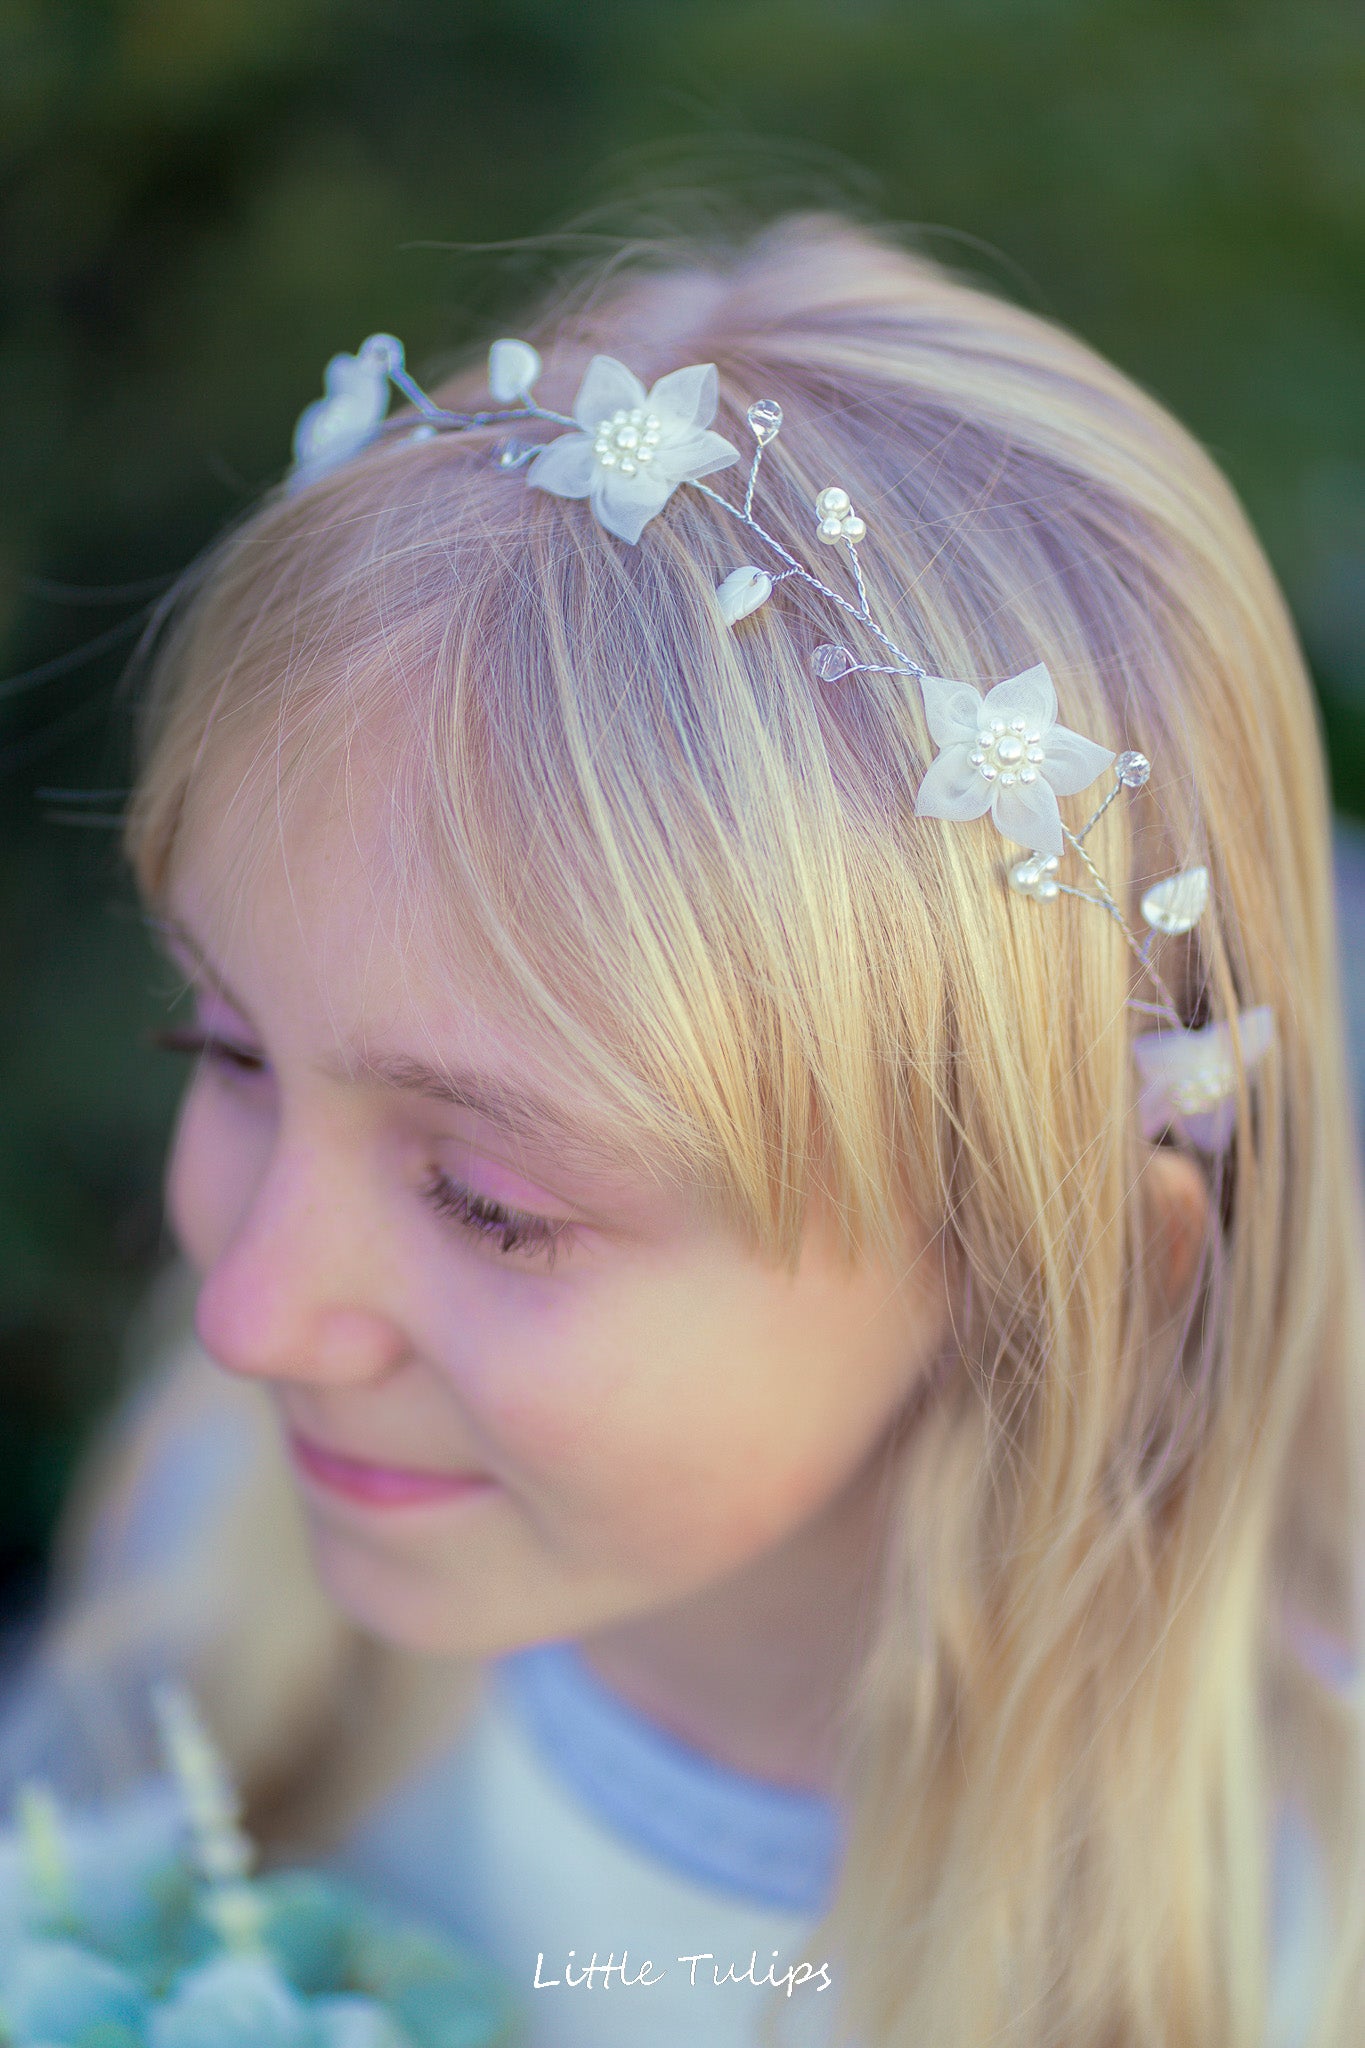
x=765 y=420
x=831 y=661
x=1177 y=904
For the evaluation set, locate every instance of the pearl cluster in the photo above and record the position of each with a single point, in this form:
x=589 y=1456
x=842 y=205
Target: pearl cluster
x=838 y=520
x=627 y=440
x=1010 y=751
x=1037 y=877
x=1205 y=1087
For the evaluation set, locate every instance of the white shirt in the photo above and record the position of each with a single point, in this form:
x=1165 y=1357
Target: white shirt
x=564 y=1831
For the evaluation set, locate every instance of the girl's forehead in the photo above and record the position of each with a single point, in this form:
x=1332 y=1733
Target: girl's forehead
x=308 y=921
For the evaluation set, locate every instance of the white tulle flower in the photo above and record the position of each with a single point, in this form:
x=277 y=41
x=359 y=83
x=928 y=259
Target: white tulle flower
x=337 y=426
x=1005 y=754
x=636 y=446
x=1189 y=1078
x=513 y=367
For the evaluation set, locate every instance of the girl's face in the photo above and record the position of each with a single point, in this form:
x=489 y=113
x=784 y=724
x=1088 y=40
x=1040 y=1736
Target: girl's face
x=525 y=1394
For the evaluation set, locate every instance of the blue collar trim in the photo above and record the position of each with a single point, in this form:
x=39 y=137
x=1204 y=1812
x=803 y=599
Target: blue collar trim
x=770 y=1844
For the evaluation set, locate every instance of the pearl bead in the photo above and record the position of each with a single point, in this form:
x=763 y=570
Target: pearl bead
x=854 y=530
x=1008 y=779
x=1008 y=749
x=1035 y=754
x=831 y=530
x=627 y=439
x=1028 y=774
x=1016 y=725
x=833 y=503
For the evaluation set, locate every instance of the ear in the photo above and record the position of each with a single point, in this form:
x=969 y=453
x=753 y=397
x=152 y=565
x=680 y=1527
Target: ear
x=1177 y=1210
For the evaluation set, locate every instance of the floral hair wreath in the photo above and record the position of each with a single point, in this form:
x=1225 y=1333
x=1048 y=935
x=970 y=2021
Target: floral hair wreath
x=627 y=452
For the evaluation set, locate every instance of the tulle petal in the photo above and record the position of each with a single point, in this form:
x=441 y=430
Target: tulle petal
x=952 y=788
x=564 y=466
x=1211 y=1130
x=685 y=398
x=1257 y=1028
x=1029 y=695
x=953 y=711
x=1027 y=813
x=626 y=504
x=694 y=454
x=607 y=387
x=1071 y=763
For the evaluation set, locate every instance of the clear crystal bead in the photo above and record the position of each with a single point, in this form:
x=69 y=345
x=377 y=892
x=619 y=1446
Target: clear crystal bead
x=765 y=420
x=831 y=661
x=1132 y=770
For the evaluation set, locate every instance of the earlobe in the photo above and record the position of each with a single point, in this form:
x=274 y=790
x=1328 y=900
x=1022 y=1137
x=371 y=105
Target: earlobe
x=1176 y=1207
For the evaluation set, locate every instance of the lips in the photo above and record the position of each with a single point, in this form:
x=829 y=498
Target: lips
x=380 y=1486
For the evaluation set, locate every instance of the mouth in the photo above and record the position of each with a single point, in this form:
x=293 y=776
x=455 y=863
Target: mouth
x=381 y=1486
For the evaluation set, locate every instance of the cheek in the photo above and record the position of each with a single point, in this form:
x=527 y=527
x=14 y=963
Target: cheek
x=637 y=1437
x=216 y=1162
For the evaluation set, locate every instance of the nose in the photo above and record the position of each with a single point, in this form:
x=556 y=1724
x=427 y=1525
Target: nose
x=294 y=1295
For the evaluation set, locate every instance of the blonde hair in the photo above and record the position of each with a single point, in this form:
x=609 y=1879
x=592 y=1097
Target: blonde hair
x=1083 y=1698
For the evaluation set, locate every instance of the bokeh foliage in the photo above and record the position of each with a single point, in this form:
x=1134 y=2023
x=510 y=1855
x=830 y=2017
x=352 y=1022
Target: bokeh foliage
x=203 y=199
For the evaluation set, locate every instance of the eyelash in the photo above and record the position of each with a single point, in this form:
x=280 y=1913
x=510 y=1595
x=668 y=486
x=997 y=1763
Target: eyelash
x=483 y=1217
x=489 y=1219
x=206 y=1045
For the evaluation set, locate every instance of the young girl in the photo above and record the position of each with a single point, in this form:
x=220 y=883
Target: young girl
x=772 y=1431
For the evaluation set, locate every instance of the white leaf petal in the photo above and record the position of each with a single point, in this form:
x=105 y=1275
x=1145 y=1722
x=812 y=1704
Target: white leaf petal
x=513 y=367
x=742 y=592
x=1178 y=903
x=334 y=428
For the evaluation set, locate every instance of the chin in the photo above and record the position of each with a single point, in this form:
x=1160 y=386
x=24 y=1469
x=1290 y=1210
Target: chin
x=406 y=1607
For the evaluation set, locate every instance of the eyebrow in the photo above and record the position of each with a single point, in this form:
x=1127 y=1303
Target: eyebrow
x=518 y=1112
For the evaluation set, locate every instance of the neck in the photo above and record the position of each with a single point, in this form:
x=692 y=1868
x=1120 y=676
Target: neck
x=756 y=1670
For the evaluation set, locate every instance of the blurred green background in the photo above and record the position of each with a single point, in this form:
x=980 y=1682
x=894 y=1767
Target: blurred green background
x=204 y=199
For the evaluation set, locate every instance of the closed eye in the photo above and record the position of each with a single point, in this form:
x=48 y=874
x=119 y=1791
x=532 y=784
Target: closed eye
x=513 y=1229
x=225 y=1052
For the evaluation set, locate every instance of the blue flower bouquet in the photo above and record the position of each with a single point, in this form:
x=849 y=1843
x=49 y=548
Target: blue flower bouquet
x=133 y=1938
